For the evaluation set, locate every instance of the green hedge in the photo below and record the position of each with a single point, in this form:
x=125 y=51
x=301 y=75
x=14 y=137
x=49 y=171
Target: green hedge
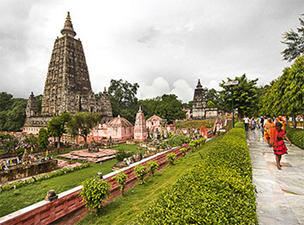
x=239 y=125
x=218 y=190
x=296 y=136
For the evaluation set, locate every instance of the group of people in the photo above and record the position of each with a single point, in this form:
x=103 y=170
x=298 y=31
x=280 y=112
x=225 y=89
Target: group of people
x=273 y=131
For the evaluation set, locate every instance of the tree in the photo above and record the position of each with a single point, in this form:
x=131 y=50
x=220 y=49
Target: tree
x=140 y=172
x=83 y=122
x=30 y=139
x=245 y=96
x=56 y=126
x=93 y=192
x=286 y=94
x=153 y=166
x=43 y=139
x=295 y=42
x=121 y=178
x=213 y=96
x=166 y=106
x=123 y=99
x=8 y=142
x=210 y=104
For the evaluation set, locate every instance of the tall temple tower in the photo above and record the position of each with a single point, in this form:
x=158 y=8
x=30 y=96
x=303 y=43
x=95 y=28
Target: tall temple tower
x=199 y=103
x=67 y=86
x=140 y=130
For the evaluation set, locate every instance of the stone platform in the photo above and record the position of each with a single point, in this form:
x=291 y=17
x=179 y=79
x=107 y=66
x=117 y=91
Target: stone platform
x=92 y=157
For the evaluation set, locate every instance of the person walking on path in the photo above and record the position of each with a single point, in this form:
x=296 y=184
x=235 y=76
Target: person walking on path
x=268 y=125
x=277 y=142
x=246 y=121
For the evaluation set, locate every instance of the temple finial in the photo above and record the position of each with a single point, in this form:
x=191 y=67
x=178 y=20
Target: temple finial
x=199 y=84
x=68 y=27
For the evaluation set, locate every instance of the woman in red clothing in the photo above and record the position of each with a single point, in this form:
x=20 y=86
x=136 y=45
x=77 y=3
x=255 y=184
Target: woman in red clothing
x=279 y=146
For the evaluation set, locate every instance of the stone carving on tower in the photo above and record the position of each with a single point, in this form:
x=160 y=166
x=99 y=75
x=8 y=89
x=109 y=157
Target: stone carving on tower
x=67 y=86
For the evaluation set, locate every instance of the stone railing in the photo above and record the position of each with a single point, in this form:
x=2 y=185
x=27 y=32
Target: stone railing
x=46 y=212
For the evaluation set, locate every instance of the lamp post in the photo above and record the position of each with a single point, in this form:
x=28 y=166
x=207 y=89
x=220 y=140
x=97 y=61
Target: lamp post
x=231 y=83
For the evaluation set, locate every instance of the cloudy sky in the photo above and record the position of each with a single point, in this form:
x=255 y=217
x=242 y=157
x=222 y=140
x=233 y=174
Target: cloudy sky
x=163 y=45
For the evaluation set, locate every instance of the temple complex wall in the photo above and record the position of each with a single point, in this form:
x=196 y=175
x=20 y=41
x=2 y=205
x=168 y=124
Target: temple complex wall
x=21 y=171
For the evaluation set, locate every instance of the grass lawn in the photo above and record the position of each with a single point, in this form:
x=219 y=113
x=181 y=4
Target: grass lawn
x=13 y=200
x=123 y=210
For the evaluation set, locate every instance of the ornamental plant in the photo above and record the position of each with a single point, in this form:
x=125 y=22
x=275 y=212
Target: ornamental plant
x=183 y=150
x=171 y=157
x=153 y=166
x=93 y=192
x=121 y=179
x=192 y=145
x=140 y=171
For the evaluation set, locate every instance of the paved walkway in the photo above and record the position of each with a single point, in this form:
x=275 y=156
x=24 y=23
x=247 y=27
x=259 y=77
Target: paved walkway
x=280 y=193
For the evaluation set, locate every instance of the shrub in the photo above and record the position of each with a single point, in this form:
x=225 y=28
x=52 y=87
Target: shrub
x=175 y=140
x=93 y=192
x=218 y=190
x=153 y=166
x=171 y=157
x=121 y=179
x=296 y=136
x=121 y=154
x=140 y=171
x=239 y=125
x=183 y=150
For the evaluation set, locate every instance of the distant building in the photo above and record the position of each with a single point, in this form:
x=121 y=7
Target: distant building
x=67 y=86
x=120 y=128
x=200 y=111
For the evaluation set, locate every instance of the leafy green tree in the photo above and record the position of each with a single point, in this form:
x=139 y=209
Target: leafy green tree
x=171 y=157
x=5 y=101
x=121 y=178
x=183 y=150
x=213 y=96
x=83 y=122
x=210 y=104
x=93 y=192
x=8 y=142
x=30 y=139
x=153 y=166
x=43 y=139
x=123 y=99
x=286 y=94
x=245 y=96
x=140 y=171
x=295 y=42
x=188 y=105
x=166 y=106
x=56 y=126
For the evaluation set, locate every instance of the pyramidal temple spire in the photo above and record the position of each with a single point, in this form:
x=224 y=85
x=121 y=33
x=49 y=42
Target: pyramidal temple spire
x=68 y=27
x=199 y=84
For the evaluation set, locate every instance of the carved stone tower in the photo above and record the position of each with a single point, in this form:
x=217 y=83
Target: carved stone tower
x=67 y=86
x=31 y=107
x=199 y=103
x=140 y=130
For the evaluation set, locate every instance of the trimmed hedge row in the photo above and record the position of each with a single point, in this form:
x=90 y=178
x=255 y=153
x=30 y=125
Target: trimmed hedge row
x=239 y=125
x=40 y=177
x=218 y=190
x=296 y=136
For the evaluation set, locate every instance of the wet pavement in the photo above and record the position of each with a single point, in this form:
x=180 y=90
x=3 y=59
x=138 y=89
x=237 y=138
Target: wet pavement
x=280 y=193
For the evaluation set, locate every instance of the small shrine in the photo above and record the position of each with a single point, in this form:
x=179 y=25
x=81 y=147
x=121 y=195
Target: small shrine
x=140 y=130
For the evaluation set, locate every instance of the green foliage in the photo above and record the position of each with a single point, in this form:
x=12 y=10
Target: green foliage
x=153 y=166
x=140 y=171
x=175 y=140
x=121 y=154
x=56 y=126
x=210 y=104
x=43 y=139
x=166 y=106
x=171 y=157
x=218 y=190
x=245 y=96
x=213 y=96
x=183 y=150
x=285 y=96
x=296 y=136
x=12 y=112
x=192 y=145
x=197 y=124
x=239 y=125
x=295 y=42
x=8 y=143
x=30 y=139
x=121 y=178
x=123 y=99
x=82 y=123
x=93 y=192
